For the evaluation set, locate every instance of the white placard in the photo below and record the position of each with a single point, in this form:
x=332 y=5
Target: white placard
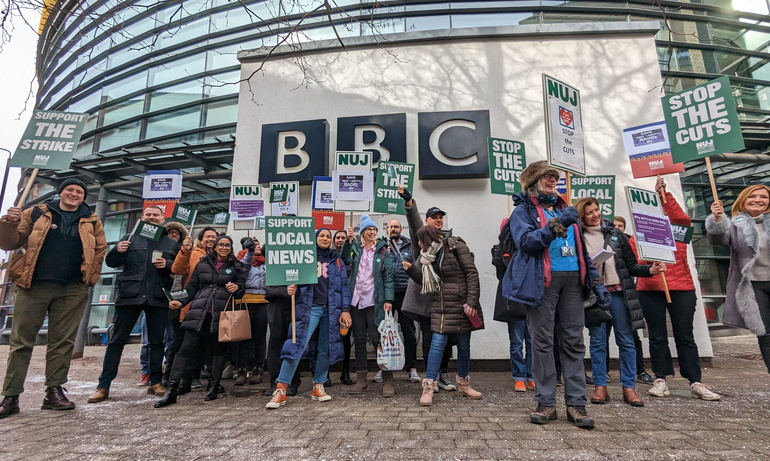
x=162 y=184
x=290 y=205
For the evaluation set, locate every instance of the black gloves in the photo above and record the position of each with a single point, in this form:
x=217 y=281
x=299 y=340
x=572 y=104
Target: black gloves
x=569 y=216
x=406 y=195
x=250 y=245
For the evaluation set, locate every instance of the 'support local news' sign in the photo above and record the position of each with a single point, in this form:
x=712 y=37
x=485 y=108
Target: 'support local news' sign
x=291 y=251
x=506 y=162
x=602 y=188
x=563 y=126
x=50 y=140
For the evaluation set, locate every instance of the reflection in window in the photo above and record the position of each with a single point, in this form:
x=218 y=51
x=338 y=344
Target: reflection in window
x=175 y=95
x=427 y=23
x=219 y=113
x=181 y=120
x=177 y=69
x=125 y=86
x=125 y=134
x=124 y=110
x=86 y=103
x=174 y=35
x=222 y=84
x=488 y=20
x=85 y=148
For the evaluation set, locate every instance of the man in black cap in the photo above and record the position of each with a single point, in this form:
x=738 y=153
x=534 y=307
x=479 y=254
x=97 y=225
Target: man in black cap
x=65 y=246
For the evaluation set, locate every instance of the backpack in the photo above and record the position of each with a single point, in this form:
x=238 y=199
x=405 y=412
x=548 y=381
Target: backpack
x=504 y=250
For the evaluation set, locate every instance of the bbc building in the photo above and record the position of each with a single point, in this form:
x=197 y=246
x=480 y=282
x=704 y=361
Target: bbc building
x=209 y=87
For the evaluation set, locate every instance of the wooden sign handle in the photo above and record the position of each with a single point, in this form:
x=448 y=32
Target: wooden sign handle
x=28 y=187
x=665 y=287
x=567 y=177
x=294 y=320
x=711 y=179
x=662 y=192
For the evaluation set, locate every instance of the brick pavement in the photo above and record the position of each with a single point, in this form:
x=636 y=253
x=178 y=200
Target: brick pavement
x=126 y=427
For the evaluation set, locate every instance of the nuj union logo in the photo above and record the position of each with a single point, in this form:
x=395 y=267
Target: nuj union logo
x=566 y=117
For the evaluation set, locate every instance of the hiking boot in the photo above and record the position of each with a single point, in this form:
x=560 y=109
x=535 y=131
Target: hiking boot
x=659 y=388
x=378 y=377
x=465 y=389
x=9 y=406
x=361 y=383
x=632 y=398
x=444 y=383
x=319 y=394
x=279 y=397
x=600 y=395
x=157 y=389
x=579 y=417
x=256 y=377
x=100 y=395
x=240 y=377
x=426 y=399
x=414 y=376
x=56 y=400
x=144 y=380
x=519 y=386
x=542 y=414
x=644 y=378
x=345 y=378
x=703 y=392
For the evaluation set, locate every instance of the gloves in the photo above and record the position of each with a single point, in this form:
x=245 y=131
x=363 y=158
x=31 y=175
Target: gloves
x=569 y=216
x=557 y=227
x=406 y=195
x=603 y=297
x=250 y=245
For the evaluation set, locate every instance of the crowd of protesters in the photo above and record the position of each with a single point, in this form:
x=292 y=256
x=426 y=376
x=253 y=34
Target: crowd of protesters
x=550 y=291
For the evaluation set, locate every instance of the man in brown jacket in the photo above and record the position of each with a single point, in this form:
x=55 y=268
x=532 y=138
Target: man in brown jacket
x=63 y=247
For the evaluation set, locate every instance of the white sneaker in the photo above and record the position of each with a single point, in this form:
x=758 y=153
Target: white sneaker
x=444 y=383
x=702 y=391
x=413 y=376
x=377 y=378
x=659 y=388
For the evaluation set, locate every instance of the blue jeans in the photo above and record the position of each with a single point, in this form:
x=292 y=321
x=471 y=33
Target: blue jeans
x=624 y=337
x=521 y=364
x=319 y=318
x=437 y=346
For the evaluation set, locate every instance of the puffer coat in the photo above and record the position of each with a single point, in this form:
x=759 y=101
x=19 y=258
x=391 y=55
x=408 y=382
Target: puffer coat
x=207 y=291
x=459 y=285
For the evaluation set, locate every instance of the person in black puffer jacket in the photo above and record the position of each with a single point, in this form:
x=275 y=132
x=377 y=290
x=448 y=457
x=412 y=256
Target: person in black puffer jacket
x=626 y=311
x=218 y=278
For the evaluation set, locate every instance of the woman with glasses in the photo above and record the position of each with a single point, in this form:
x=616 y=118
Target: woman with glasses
x=217 y=280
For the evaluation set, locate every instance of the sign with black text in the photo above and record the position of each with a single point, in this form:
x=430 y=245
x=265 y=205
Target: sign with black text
x=563 y=126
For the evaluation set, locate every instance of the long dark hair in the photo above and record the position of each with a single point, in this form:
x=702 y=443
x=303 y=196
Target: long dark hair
x=231 y=256
x=426 y=235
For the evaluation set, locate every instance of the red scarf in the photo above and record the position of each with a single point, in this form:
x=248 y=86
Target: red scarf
x=258 y=259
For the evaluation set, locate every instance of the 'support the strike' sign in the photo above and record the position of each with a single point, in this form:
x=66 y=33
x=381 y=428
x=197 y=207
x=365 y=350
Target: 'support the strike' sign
x=50 y=140
x=563 y=126
x=506 y=162
x=602 y=188
x=291 y=251
x=391 y=175
x=703 y=121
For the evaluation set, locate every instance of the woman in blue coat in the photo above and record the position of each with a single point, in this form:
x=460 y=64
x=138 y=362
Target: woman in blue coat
x=323 y=307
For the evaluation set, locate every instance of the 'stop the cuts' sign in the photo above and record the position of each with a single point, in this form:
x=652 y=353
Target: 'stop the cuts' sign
x=702 y=121
x=506 y=162
x=50 y=140
x=563 y=126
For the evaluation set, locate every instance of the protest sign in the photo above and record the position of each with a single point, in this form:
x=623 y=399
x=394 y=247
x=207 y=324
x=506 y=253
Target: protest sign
x=653 y=231
x=391 y=176
x=506 y=162
x=148 y=231
x=184 y=215
x=278 y=193
x=290 y=205
x=291 y=251
x=222 y=218
x=682 y=233
x=322 y=193
x=246 y=192
x=50 y=140
x=563 y=126
x=167 y=205
x=649 y=151
x=247 y=209
x=602 y=188
x=162 y=184
x=645 y=202
x=334 y=220
x=352 y=181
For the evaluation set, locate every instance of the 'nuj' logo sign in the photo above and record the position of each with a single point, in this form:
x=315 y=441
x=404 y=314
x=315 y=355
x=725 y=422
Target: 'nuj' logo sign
x=353 y=159
x=647 y=199
x=566 y=94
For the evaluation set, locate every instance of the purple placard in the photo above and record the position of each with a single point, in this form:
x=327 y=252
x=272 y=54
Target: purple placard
x=654 y=231
x=160 y=184
x=247 y=208
x=351 y=183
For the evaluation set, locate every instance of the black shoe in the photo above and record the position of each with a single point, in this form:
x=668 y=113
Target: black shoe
x=345 y=378
x=56 y=400
x=164 y=381
x=644 y=378
x=184 y=387
x=589 y=380
x=328 y=382
x=291 y=391
x=9 y=406
x=579 y=417
x=169 y=398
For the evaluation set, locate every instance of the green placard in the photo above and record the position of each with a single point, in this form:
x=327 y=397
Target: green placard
x=682 y=233
x=291 y=251
x=506 y=162
x=391 y=175
x=602 y=188
x=702 y=121
x=279 y=192
x=184 y=215
x=50 y=140
x=222 y=218
x=148 y=231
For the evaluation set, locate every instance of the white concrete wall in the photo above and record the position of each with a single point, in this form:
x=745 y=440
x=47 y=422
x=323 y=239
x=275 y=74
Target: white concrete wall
x=618 y=77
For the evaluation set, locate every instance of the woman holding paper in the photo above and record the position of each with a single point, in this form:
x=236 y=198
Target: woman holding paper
x=613 y=258
x=747 y=235
x=681 y=311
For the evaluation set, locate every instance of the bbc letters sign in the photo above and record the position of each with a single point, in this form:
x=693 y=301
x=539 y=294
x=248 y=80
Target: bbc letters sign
x=382 y=135
x=294 y=151
x=453 y=144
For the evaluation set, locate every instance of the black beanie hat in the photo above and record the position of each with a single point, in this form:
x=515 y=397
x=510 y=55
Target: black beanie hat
x=75 y=181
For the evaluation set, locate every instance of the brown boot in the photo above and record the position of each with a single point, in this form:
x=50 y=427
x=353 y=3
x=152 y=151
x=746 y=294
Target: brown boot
x=426 y=399
x=387 y=384
x=56 y=400
x=100 y=395
x=600 y=395
x=631 y=397
x=464 y=386
x=361 y=383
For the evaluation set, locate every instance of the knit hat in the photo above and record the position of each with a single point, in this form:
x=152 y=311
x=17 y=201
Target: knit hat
x=534 y=172
x=75 y=181
x=367 y=222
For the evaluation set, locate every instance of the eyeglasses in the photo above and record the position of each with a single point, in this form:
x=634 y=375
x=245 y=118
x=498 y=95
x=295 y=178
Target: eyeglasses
x=223 y=245
x=550 y=177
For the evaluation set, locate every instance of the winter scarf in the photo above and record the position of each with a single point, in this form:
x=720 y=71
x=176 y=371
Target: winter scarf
x=431 y=282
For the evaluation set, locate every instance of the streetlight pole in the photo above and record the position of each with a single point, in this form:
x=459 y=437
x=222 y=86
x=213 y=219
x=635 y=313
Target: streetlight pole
x=5 y=178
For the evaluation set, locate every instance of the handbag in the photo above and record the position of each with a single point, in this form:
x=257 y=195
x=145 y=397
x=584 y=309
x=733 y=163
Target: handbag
x=234 y=325
x=594 y=314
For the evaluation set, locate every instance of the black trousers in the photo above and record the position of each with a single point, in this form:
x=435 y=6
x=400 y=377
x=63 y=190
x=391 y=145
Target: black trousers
x=195 y=340
x=410 y=334
x=252 y=352
x=681 y=311
x=363 y=325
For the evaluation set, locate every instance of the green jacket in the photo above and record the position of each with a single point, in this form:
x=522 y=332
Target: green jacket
x=383 y=274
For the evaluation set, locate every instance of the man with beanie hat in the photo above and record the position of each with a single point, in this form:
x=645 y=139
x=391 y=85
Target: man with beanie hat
x=65 y=246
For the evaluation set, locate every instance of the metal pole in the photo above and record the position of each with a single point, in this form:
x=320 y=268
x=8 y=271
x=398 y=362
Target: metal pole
x=5 y=178
x=80 y=339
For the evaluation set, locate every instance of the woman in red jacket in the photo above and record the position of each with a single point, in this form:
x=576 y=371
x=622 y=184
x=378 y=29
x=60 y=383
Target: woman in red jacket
x=681 y=310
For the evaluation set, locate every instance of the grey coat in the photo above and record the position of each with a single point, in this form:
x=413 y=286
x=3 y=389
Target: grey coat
x=740 y=235
x=415 y=303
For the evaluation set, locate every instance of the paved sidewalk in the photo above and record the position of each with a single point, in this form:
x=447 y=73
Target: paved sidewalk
x=127 y=427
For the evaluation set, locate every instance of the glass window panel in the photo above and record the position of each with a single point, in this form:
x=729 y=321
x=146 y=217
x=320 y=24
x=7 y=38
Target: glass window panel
x=123 y=110
x=427 y=23
x=174 y=35
x=91 y=122
x=487 y=20
x=176 y=95
x=379 y=26
x=182 y=120
x=235 y=17
x=125 y=86
x=85 y=148
x=222 y=84
x=86 y=103
x=120 y=136
x=177 y=69
x=221 y=57
x=219 y=113
x=134 y=51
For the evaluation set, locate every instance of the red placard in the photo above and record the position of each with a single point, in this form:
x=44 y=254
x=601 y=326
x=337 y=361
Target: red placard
x=646 y=165
x=165 y=204
x=332 y=220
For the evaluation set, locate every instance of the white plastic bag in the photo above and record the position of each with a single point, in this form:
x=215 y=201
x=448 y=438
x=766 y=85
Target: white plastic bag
x=390 y=352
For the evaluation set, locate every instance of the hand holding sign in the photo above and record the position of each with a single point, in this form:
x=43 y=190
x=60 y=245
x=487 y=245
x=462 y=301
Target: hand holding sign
x=122 y=246
x=174 y=305
x=14 y=215
x=717 y=210
x=658 y=267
